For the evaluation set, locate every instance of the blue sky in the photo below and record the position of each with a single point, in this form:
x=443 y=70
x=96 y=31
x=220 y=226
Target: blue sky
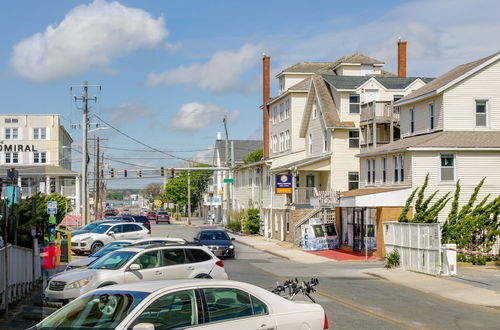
x=170 y=70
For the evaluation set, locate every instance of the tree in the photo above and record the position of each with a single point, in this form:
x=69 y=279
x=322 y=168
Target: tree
x=152 y=191
x=176 y=189
x=423 y=213
x=254 y=157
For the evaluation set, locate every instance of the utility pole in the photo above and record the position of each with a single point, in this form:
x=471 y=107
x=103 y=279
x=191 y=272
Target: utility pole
x=85 y=152
x=97 y=182
x=228 y=193
x=189 y=196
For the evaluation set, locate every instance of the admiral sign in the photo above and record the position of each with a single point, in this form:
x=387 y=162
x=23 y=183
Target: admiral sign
x=17 y=148
x=283 y=184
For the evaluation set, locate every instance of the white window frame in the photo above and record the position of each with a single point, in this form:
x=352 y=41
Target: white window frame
x=310 y=147
x=486 y=114
x=432 y=121
x=282 y=141
x=352 y=138
x=315 y=109
x=411 y=121
x=325 y=141
x=40 y=155
x=287 y=108
x=401 y=168
x=368 y=171
x=11 y=133
x=383 y=178
x=454 y=156
x=395 y=172
x=349 y=181
x=11 y=156
x=358 y=106
x=287 y=139
x=282 y=111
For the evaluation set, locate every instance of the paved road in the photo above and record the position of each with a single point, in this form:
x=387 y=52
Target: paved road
x=351 y=299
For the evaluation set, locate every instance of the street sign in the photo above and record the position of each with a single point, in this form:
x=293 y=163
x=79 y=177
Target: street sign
x=33 y=231
x=159 y=203
x=52 y=220
x=221 y=192
x=283 y=184
x=51 y=207
x=228 y=180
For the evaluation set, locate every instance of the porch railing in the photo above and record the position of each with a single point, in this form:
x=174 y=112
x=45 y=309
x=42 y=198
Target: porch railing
x=303 y=195
x=68 y=190
x=379 y=109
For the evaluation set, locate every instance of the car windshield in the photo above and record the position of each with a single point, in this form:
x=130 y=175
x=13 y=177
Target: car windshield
x=100 y=229
x=95 y=310
x=214 y=236
x=113 y=260
x=162 y=212
x=110 y=248
x=90 y=226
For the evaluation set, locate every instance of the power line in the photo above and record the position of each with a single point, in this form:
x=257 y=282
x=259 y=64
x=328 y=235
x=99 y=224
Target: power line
x=144 y=144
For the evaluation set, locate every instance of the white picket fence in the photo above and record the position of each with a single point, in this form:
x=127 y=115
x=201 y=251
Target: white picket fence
x=20 y=273
x=418 y=244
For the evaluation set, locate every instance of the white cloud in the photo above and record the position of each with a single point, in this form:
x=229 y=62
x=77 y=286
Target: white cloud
x=132 y=112
x=196 y=116
x=172 y=47
x=89 y=36
x=440 y=35
x=221 y=73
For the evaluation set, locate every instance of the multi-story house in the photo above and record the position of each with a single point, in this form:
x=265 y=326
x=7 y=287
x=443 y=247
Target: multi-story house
x=219 y=193
x=313 y=135
x=450 y=130
x=39 y=148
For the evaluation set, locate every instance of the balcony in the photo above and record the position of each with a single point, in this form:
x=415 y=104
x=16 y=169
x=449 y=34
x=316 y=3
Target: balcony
x=314 y=197
x=379 y=111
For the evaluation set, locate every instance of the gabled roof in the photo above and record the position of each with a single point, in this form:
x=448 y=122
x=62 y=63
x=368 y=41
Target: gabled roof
x=241 y=149
x=303 y=85
x=442 y=140
x=327 y=67
x=450 y=78
x=353 y=82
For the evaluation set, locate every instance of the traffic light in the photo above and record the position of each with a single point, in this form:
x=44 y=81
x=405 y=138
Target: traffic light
x=125 y=173
x=172 y=173
x=163 y=171
x=113 y=172
x=139 y=173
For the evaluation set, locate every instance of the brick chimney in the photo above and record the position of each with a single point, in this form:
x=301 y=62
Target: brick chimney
x=401 y=59
x=266 y=60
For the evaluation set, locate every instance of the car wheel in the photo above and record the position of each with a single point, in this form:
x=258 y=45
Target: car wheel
x=95 y=247
x=203 y=276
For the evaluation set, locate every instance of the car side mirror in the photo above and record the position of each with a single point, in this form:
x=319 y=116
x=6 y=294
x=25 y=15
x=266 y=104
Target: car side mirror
x=233 y=239
x=133 y=268
x=111 y=233
x=144 y=326
x=196 y=239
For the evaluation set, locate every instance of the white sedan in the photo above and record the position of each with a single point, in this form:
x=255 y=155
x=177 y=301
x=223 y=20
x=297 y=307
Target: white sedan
x=106 y=233
x=187 y=304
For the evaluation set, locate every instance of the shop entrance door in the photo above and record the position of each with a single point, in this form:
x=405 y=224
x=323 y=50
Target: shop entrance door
x=358 y=229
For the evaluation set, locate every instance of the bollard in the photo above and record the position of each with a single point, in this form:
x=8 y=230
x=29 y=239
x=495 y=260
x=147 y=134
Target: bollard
x=68 y=243
x=58 y=246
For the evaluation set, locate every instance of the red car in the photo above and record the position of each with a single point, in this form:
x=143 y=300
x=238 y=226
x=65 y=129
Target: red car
x=162 y=217
x=151 y=215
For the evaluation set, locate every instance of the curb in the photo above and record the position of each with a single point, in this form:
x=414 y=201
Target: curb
x=267 y=251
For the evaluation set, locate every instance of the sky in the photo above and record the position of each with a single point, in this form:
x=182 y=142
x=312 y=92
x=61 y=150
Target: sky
x=170 y=71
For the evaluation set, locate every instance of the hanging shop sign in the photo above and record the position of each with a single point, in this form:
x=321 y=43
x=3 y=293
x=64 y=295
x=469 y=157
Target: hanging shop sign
x=284 y=184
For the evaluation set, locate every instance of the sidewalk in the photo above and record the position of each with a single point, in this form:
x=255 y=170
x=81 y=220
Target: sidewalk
x=446 y=287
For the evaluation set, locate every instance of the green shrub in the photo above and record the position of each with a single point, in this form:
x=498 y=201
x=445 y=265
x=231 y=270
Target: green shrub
x=392 y=259
x=251 y=221
x=234 y=226
x=478 y=260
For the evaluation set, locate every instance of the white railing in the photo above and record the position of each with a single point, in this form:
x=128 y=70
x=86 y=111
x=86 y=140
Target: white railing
x=418 y=244
x=325 y=197
x=68 y=190
x=379 y=109
x=303 y=195
x=21 y=270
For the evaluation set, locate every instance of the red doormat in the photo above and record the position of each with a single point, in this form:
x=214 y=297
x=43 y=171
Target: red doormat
x=342 y=255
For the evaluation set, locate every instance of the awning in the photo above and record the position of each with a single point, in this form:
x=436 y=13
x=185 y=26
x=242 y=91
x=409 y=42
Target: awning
x=320 y=163
x=375 y=197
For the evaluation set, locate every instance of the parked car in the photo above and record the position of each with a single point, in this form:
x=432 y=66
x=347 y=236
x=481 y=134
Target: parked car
x=106 y=233
x=162 y=216
x=226 y=305
x=151 y=215
x=218 y=242
x=113 y=246
x=137 y=264
x=110 y=213
x=134 y=218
